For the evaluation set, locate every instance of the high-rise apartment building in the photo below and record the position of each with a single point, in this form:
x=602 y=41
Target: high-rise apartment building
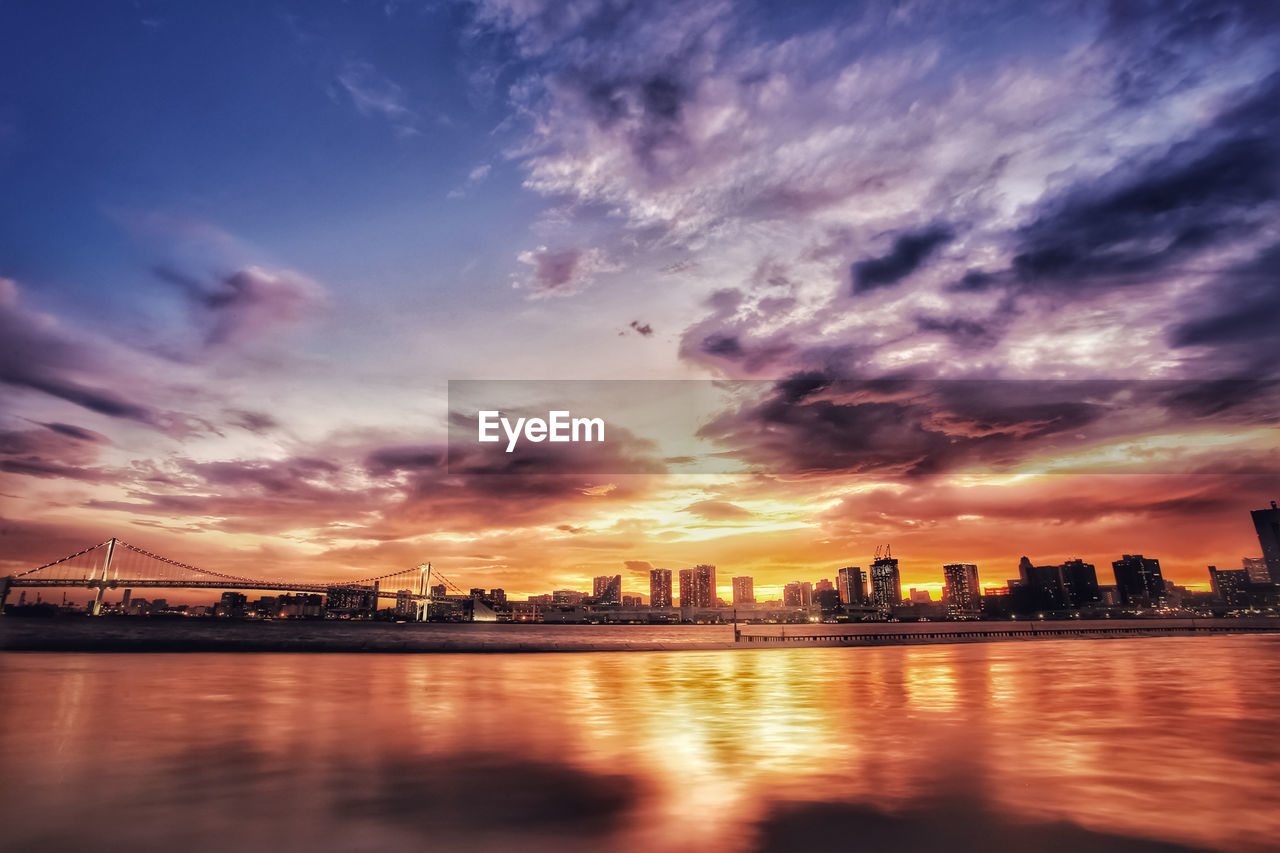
x=686 y=588
x=608 y=589
x=886 y=584
x=1256 y=567
x=659 y=587
x=704 y=586
x=744 y=590
x=1231 y=585
x=851 y=585
x=963 y=594
x=1080 y=583
x=1267 y=523
x=1138 y=580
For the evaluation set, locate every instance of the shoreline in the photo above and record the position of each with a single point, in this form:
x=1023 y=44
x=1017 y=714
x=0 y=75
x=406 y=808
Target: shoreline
x=20 y=634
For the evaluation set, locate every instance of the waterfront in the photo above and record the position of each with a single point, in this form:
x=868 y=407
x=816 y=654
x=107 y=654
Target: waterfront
x=1053 y=744
x=178 y=634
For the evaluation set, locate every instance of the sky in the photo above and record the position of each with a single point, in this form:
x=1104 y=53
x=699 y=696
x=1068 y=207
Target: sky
x=246 y=247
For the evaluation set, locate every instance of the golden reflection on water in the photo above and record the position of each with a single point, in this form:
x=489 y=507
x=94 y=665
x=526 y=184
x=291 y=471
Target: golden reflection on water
x=1171 y=739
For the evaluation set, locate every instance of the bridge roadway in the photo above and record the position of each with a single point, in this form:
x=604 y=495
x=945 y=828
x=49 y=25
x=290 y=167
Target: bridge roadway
x=151 y=583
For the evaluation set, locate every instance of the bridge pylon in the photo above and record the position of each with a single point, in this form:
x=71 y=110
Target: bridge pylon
x=102 y=585
x=424 y=592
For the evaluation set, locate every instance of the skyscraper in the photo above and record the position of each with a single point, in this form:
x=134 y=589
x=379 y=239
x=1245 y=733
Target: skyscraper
x=1041 y=588
x=1255 y=566
x=686 y=588
x=849 y=583
x=1231 y=585
x=744 y=591
x=704 y=586
x=1138 y=579
x=1267 y=523
x=608 y=589
x=964 y=595
x=886 y=583
x=659 y=587
x=1080 y=583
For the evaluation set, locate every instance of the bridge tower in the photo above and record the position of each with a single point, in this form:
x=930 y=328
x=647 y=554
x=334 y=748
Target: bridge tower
x=424 y=591
x=102 y=584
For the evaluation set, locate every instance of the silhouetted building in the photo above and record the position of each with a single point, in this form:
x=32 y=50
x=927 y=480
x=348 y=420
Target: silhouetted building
x=660 y=588
x=920 y=596
x=1040 y=588
x=793 y=595
x=704 y=586
x=1267 y=523
x=1231 y=585
x=886 y=584
x=608 y=589
x=498 y=597
x=351 y=602
x=962 y=592
x=744 y=590
x=567 y=597
x=827 y=599
x=406 y=604
x=1080 y=583
x=687 y=596
x=1138 y=580
x=852 y=585
x=631 y=602
x=232 y=604
x=1255 y=566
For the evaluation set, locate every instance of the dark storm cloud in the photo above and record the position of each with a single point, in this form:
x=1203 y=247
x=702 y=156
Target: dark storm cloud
x=390 y=460
x=909 y=251
x=54 y=451
x=726 y=346
x=36 y=354
x=646 y=110
x=1238 y=316
x=970 y=333
x=80 y=433
x=813 y=423
x=1142 y=219
x=247 y=304
x=1241 y=400
x=1152 y=40
x=255 y=422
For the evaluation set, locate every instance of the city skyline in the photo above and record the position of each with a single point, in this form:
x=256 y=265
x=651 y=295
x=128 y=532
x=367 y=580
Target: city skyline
x=1072 y=584
x=233 y=295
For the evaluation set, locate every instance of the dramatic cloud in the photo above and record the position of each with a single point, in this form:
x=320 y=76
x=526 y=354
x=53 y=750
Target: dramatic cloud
x=563 y=272
x=909 y=251
x=718 y=511
x=809 y=198
x=38 y=354
x=249 y=304
x=55 y=451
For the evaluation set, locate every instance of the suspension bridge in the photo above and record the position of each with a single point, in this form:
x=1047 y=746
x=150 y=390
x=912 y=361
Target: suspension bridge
x=115 y=564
